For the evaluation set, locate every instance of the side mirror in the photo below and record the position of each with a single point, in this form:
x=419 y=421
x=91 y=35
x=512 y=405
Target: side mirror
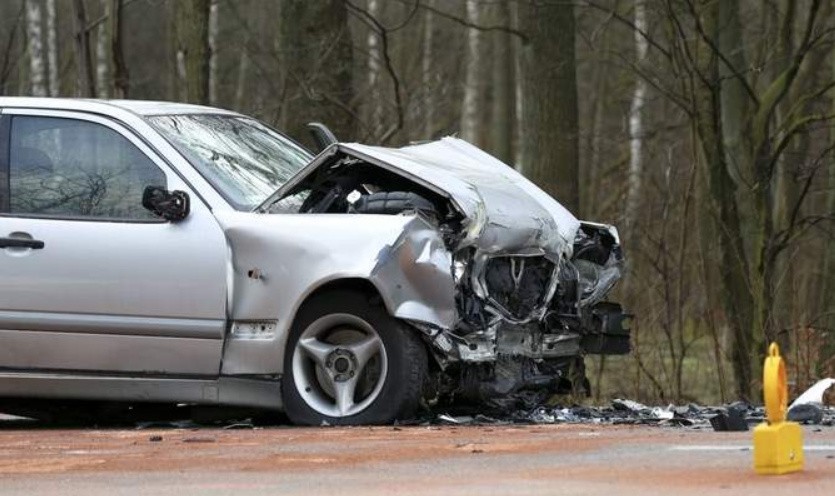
x=170 y=205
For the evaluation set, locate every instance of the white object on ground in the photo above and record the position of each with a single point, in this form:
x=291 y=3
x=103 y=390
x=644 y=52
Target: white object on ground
x=814 y=394
x=663 y=414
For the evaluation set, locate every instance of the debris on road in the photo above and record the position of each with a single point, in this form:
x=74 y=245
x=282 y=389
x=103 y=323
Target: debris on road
x=808 y=413
x=732 y=417
x=814 y=394
x=239 y=425
x=731 y=420
x=808 y=407
x=199 y=440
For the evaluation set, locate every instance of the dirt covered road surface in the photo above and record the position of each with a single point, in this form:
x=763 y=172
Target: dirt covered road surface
x=449 y=460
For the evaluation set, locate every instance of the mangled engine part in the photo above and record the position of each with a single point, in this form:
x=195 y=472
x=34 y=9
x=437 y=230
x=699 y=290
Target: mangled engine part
x=598 y=260
x=517 y=287
x=510 y=381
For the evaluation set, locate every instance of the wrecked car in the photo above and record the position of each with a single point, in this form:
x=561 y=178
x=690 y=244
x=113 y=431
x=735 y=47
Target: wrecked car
x=162 y=252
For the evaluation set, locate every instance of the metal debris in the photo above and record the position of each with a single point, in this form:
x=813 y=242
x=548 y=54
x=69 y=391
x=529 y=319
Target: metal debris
x=246 y=424
x=808 y=407
x=731 y=417
x=814 y=394
x=809 y=413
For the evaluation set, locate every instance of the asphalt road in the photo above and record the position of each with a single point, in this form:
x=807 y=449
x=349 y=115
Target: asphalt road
x=455 y=460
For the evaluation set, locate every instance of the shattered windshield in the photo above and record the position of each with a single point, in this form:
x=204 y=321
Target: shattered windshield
x=243 y=159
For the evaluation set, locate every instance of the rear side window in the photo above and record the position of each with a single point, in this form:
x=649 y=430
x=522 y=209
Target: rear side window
x=73 y=168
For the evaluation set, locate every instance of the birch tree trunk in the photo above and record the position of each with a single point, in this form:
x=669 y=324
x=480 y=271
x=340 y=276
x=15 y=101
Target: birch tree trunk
x=34 y=37
x=519 y=90
x=503 y=112
x=84 y=62
x=428 y=71
x=636 y=122
x=213 y=29
x=191 y=25
x=52 y=47
x=102 y=55
x=475 y=78
x=240 y=84
x=375 y=107
x=550 y=121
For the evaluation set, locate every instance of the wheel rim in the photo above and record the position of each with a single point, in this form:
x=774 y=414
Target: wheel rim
x=339 y=365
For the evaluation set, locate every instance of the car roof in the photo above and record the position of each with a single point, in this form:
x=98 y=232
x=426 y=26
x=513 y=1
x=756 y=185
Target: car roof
x=142 y=108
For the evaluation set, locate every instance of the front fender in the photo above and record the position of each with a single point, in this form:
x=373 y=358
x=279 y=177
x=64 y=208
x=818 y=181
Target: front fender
x=278 y=260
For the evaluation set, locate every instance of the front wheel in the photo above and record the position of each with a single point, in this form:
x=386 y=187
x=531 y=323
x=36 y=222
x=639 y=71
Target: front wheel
x=349 y=362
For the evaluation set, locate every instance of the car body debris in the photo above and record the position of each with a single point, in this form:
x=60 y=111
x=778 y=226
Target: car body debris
x=808 y=407
x=731 y=417
x=814 y=394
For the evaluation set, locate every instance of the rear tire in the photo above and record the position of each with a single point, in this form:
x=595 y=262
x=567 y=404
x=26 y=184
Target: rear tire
x=348 y=362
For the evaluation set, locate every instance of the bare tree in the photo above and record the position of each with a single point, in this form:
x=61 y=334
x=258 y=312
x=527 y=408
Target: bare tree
x=428 y=71
x=34 y=37
x=519 y=92
x=317 y=57
x=375 y=100
x=102 y=55
x=551 y=119
x=504 y=105
x=636 y=121
x=213 y=33
x=828 y=286
x=476 y=77
x=191 y=25
x=52 y=47
x=121 y=77
x=84 y=62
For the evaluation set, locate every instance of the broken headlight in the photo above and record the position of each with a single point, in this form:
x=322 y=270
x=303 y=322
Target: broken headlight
x=475 y=225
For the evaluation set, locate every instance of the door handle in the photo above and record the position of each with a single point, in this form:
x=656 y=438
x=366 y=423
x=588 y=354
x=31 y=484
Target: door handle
x=21 y=243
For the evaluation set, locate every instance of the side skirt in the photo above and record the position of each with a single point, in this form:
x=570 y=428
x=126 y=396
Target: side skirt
x=230 y=391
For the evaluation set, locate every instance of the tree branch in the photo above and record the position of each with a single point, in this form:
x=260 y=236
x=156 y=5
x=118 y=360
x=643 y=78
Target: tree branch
x=7 y=51
x=364 y=16
x=468 y=24
x=626 y=22
x=716 y=51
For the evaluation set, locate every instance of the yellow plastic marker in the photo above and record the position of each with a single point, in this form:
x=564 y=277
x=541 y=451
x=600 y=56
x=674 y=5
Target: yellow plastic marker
x=778 y=444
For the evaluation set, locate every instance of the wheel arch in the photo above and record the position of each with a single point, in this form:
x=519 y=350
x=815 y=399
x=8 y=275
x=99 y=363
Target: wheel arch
x=352 y=284
x=361 y=298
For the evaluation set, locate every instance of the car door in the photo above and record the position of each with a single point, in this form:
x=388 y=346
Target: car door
x=90 y=281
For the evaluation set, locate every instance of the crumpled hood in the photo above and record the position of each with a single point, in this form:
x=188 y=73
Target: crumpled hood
x=507 y=212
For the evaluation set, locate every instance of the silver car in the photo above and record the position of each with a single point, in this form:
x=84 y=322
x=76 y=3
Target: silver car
x=161 y=252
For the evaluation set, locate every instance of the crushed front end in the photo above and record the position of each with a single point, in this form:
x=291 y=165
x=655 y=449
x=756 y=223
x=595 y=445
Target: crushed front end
x=530 y=278
x=526 y=320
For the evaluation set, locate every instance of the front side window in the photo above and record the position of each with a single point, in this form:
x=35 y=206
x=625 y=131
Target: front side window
x=71 y=168
x=243 y=159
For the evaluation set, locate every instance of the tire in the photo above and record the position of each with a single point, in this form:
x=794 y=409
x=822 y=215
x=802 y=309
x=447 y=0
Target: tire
x=328 y=349
x=393 y=203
